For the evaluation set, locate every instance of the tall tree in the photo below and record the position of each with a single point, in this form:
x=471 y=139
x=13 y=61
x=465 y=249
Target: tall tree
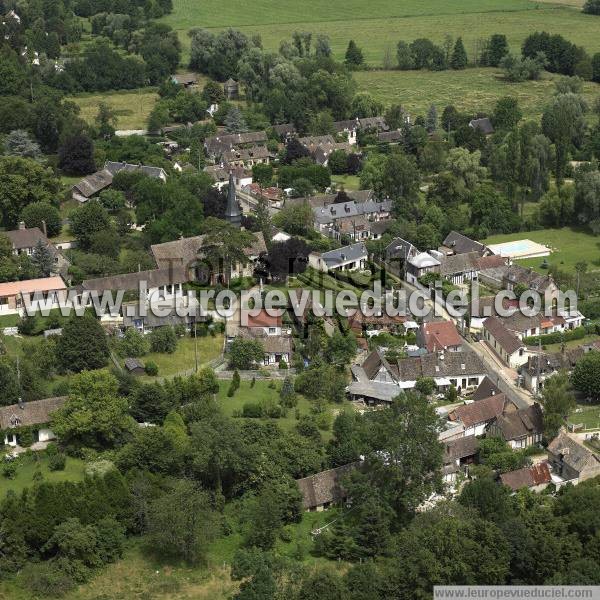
x=558 y=400
x=459 y=55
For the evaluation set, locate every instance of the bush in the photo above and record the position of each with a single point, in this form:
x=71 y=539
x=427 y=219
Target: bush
x=25 y=438
x=252 y=410
x=151 y=368
x=9 y=469
x=47 y=579
x=27 y=325
x=57 y=462
x=163 y=339
x=283 y=365
x=231 y=390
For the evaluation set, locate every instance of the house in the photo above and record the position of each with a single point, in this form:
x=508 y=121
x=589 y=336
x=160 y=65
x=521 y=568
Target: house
x=34 y=415
x=484 y=125
x=476 y=416
x=535 y=478
x=322 y=153
x=323 y=200
x=24 y=240
x=505 y=344
x=324 y=489
x=134 y=366
x=185 y=79
x=439 y=335
x=457 y=243
x=145 y=320
x=397 y=253
x=458 y=454
x=540 y=367
x=285 y=131
x=93 y=184
x=247 y=157
x=216 y=145
x=419 y=265
x=520 y=428
x=264 y=323
x=165 y=283
x=390 y=137
x=221 y=172
x=379 y=380
x=370 y=325
x=459 y=268
x=486 y=389
x=187 y=254
x=34 y=294
x=516 y=275
x=330 y=219
x=571 y=460
x=231 y=89
x=347 y=258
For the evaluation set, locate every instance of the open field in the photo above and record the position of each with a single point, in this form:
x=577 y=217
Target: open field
x=184 y=358
x=384 y=22
x=29 y=464
x=569 y=246
x=475 y=89
x=589 y=416
x=132 y=108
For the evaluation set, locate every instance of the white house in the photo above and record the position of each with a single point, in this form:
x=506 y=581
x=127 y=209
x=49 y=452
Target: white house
x=505 y=344
x=347 y=258
x=34 y=415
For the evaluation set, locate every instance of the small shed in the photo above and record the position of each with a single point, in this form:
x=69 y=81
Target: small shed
x=134 y=366
x=231 y=89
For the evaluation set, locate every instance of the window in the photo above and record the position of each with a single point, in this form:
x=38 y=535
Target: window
x=272 y=329
x=4 y=301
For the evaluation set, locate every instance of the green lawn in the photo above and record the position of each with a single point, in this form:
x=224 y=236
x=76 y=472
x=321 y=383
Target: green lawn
x=569 y=246
x=380 y=24
x=589 y=416
x=29 y=464
x=132 y=108
x=184 y=358
x=348 y=182
x=262 y=392
x=470 y=90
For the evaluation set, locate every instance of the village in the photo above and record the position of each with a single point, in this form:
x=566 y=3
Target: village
x=277 y=321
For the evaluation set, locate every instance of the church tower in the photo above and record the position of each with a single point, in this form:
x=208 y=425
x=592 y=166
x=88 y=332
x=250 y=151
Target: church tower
x=233 y=214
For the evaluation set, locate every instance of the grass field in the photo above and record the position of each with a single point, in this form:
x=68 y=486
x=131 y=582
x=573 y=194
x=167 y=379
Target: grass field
x=475 y=89
x=184 y=358
x=589 y=416
x=29 y=464
x=132 y=108
x=569 y=246
x=381 y=23
x=348 y=182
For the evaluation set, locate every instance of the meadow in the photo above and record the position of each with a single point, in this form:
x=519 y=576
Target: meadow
x=385 y=21
x=132 y=108
x=471 y=90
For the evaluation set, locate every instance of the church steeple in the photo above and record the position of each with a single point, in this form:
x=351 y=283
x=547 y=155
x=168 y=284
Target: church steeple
x=233 y=213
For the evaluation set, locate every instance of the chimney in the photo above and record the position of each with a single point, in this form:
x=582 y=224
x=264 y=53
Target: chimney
x=22 y=225
x=462 y=366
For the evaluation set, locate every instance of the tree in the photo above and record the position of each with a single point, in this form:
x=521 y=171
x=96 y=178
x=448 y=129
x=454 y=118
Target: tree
x=19 y=143
x=94 y=415
x=402 y=468
x=42 y=259
x=592 y=7
x=76 y=155
x=341 y=348
x=596 y=67
x=133 y=343
x=495 y=51
x=432 y=119
x=507 y=113
x=163 y=339
x=22 y=182
x=517 y=68
x=459 y=55
x=82 y=345
x=404 y=56
x=181 y=523
x=106 y=121
x=586 y=375
x=365 y=106
x=296 y=219
x=563 y=122
x=354 y=57
x=294 y=150
x=288 y=258
x=425 y=386
x=558 y=400
x=323 y=585
x=234 y=121
x=322 y=46
x=263 y=174
x=213 y=93
x=287 y=395
x=88 y=219
x=245 y=353
x=492 y=501
x=44 y=216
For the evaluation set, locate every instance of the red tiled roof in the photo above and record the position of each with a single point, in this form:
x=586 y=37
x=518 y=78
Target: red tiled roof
x=479 y=412
x=264 y=319
x=440 y=335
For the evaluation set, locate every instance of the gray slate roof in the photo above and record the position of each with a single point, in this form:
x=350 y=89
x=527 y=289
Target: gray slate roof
x=26 y=238
x=324 y=487
x=350 y=253
x=131 y=281
x=461 y=243
x=332 y=212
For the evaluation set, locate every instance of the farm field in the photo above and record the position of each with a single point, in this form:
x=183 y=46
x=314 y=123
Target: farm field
x=568 y=245
x=386 y=21
x=132 y=108
x=475 y=89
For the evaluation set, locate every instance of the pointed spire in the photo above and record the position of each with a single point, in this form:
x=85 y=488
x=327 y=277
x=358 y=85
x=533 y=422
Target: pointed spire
x=233 y=213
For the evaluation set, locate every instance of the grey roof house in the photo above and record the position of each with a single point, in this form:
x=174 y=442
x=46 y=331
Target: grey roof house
x=347 y=258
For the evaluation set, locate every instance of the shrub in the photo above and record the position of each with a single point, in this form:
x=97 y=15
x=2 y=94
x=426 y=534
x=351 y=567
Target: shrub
x=25 y=438
x=163 y=339
x=47 y=579
x=57 y=462
x=235 y=381
x=252 y=410
x=27 y=325
x=9 y=469
x=151 y=368
x=253 y=382
x=231 y=390
x=282 y=364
